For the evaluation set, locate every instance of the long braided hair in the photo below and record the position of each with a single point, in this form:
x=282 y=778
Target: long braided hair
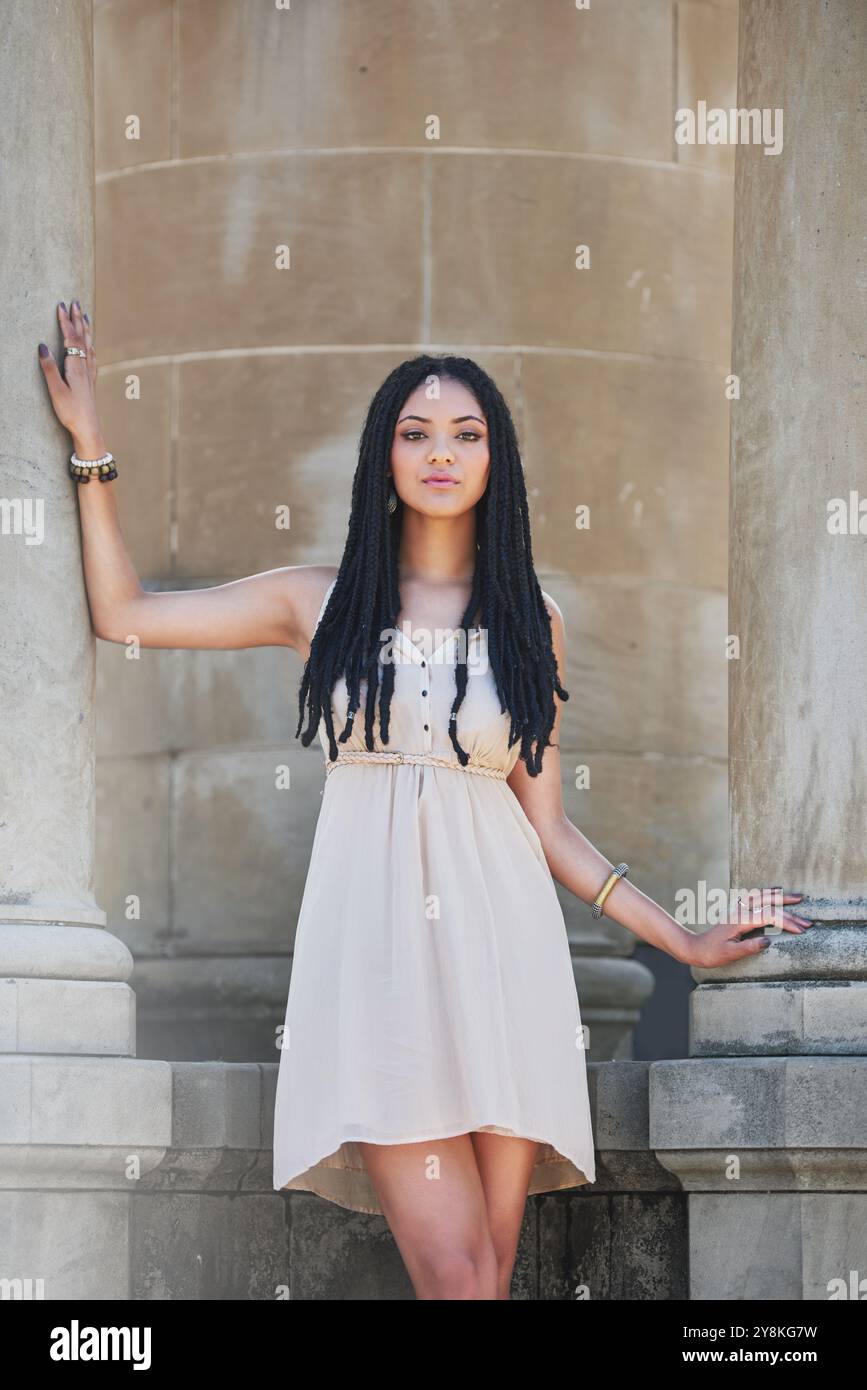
x=365 y=600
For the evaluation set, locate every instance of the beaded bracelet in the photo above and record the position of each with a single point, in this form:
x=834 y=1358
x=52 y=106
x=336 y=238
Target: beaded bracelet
x=85 y=469
x=609 y=883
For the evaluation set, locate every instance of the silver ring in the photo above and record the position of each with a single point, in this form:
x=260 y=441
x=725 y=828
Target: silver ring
x=76 y=352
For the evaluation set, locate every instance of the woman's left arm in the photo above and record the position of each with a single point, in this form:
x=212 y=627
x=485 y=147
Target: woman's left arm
x=580 y=867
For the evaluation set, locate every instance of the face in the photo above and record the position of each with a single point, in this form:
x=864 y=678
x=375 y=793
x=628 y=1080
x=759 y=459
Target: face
x=439 y=457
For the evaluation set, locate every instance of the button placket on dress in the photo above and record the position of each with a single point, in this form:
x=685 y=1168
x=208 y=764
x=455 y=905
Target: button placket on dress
x=425 y=678
x=423 y=667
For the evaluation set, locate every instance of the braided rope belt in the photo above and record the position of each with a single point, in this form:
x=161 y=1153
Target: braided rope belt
x=357 y=755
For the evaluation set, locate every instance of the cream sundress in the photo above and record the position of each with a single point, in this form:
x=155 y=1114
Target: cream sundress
x=432 y=991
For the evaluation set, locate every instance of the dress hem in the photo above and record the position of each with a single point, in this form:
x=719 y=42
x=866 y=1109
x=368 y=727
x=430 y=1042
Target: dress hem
x=540 y=1169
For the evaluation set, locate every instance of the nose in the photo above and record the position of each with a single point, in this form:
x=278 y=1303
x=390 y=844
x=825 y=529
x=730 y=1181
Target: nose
x=441 y=452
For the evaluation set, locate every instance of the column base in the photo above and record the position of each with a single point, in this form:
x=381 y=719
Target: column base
x=773 y=1152
x=779 y=1018
x=63 y=989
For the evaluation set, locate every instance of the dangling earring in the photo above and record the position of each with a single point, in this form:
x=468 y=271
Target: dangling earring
x=392 y=502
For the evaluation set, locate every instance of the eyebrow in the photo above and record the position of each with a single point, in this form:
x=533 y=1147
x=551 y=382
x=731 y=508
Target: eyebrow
x=459 y=419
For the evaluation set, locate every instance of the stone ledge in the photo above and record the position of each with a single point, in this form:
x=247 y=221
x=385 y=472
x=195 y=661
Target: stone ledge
x=825 y=952
x=779 y=1018
x=82 y=1122
x=768 y=1170
x=746 y=1104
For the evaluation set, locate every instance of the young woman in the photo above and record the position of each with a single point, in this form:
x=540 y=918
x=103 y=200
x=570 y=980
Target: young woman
x=432 y=1064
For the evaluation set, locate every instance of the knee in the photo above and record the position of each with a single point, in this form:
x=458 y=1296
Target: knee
x=462 y=1274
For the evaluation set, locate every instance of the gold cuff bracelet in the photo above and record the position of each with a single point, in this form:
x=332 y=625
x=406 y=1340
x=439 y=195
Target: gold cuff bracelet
x=609 y=883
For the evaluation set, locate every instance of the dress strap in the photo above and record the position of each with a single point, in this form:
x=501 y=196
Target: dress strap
x=359 y=755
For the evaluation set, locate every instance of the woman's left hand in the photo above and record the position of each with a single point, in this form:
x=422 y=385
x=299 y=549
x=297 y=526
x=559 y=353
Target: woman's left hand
x=722 y=944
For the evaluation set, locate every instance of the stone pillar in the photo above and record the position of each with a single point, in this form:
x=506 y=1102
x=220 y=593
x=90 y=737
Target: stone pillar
x=66 y=1121
x=775 y=1107
x=64 y=977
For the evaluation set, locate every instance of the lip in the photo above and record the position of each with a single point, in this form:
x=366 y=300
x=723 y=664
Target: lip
x=440 y=480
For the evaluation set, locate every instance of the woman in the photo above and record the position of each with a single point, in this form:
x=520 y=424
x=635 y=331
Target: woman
x=432 y=1064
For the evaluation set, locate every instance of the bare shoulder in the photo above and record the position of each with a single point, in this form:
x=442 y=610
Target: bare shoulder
x=553 y=607
x=558 y=627
x=305 y=587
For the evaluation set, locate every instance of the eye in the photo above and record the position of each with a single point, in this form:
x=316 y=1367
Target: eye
x=412 y=434
x=472 y=433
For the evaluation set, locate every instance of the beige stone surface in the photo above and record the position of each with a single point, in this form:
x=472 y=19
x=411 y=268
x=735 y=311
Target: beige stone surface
x=133 y=832
x=135 y=409
x=643 y=444
x=291 y=422
x=178 y=701
x=191 y=264
x=646 y=668
x=238 y=698
x=543 y=76
x=503 y=235
x=200 y=1007
x=133 y=72
x=707 y=49
x=137 y=700
x=241 y=847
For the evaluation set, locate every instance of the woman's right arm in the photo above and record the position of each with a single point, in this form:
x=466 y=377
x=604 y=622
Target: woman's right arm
x=276 y=608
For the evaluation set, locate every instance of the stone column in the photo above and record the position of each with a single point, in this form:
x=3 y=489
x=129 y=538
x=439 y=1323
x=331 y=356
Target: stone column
x=776 y=1108
x=66 y=1121
x=64 y=977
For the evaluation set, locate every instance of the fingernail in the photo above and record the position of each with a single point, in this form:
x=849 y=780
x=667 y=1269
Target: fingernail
x=75 y=304
x=86 y=319
x=63 y=306
x=43 y=349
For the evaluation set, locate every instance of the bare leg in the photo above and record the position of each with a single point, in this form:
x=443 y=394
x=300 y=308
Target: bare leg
x=505 y=1166
x=432 y=1197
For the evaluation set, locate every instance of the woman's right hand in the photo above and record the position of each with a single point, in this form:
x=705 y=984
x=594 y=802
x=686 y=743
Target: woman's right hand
x=73 y=391
x=275 y=608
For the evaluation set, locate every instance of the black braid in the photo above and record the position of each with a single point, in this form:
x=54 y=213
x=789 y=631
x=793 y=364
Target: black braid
x=365 y=600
